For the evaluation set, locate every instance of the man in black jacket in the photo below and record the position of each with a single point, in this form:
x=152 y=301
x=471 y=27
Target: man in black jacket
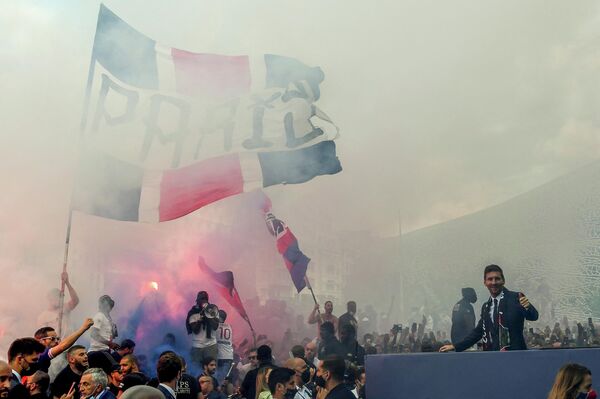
x=202 y=329
x=355 y=353
x=329 y=344
x=265 y=358
x=502 y=317
x=463 y=315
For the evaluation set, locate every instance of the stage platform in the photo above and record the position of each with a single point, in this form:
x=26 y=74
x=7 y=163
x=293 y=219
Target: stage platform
x=472 y=375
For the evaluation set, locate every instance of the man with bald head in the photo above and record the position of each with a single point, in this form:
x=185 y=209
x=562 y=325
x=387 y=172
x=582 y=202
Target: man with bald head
x=5 y=373
x=129 y=364
x=142 y=392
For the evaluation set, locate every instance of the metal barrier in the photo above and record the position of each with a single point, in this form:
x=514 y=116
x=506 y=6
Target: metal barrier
x=472 y=375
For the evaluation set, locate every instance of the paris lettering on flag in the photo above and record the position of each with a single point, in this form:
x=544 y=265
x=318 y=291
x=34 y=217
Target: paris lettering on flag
x=162 y=107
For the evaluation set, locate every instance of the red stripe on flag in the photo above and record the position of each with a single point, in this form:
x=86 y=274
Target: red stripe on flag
x=189 y=188
x=284 y=241
x=234 y=300
x=211 y=75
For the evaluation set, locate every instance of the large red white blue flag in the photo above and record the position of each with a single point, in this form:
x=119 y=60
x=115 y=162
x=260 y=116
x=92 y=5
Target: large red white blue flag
x=111 y=188
x=169 y=131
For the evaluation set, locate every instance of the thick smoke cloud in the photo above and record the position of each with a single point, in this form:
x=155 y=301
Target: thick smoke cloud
x=444 y=108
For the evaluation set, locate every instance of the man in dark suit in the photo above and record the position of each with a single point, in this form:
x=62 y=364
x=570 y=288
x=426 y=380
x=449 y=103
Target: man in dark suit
x=502 y=317
x=23 y=353
x=168 y=371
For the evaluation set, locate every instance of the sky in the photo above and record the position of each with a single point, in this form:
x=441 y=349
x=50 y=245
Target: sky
x=444 y=108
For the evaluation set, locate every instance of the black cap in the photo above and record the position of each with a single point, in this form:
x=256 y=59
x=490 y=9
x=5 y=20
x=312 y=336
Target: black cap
x=127 y=344
x=133 y=379
x=202 y=295
x=264 y=353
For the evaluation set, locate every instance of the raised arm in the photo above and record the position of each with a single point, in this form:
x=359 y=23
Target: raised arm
x=70 y=340
x=74 y=301
x=312 y=317
x=529 y=312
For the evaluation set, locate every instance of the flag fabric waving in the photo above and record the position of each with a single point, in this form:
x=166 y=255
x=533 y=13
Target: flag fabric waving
x=161 y=107
x=111 y=188
x=226 y=287
x=287 y=245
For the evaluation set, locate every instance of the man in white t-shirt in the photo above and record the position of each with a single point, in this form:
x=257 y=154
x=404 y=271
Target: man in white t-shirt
x=225 y=347
x=104 y=331
x=49 y=317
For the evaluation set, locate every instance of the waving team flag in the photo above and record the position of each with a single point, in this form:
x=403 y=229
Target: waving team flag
x=287 y=245
x=178 y=130
x=226 y=287
x=161 y=107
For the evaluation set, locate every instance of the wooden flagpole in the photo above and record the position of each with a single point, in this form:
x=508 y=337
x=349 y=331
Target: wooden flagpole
x=84 y=116
x=313 y=294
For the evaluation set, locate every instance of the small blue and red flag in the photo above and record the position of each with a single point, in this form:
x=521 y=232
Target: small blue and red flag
x=225 y=285
x=287 y=245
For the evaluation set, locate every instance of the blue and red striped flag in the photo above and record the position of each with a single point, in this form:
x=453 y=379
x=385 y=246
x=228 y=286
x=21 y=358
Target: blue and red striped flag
x=226 y=287
x=287 y=245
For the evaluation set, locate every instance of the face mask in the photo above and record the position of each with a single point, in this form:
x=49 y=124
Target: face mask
x=305 y=376
x=290 y=393
x=92 y=396
x=320 y=381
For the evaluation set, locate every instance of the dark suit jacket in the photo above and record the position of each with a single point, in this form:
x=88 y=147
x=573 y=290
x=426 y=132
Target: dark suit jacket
x=513 y=316
x=165 y=392
x=107 y=395
x=248 y=387
x=17 y=390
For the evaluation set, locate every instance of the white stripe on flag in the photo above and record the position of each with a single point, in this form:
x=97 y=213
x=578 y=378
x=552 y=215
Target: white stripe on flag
x=251 y=171
x=166 y=69
x=150 y=197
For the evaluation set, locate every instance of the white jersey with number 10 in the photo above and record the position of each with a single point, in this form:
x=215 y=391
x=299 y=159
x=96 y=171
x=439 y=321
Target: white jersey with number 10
x=225 y=342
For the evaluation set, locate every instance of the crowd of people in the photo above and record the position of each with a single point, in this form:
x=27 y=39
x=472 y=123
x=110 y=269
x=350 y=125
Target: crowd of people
x=47 y=366
x=329 y=363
